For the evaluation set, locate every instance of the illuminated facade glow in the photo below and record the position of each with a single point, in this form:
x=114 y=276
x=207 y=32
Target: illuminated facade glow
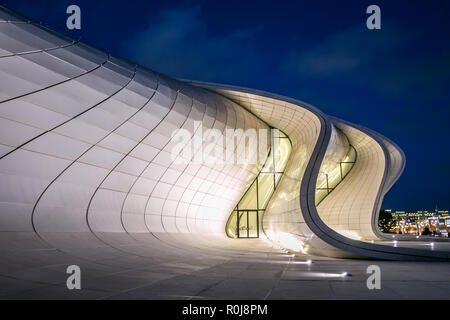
x=246 y=219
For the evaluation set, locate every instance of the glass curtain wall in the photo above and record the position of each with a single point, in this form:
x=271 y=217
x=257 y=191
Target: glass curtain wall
x=246 y=219
x=328 y=181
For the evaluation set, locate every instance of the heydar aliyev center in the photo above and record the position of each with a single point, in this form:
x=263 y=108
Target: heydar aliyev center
x=88 y=172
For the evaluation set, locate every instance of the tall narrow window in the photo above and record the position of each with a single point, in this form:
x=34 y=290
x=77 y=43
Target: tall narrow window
x=326 y=182
x=246 y=219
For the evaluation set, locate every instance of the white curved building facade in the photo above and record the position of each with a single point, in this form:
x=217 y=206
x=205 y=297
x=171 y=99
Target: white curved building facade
x=86 y=169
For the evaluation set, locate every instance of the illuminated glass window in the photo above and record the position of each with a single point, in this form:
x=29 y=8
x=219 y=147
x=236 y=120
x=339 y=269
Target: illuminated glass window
x=246 y=219
x=326 y=182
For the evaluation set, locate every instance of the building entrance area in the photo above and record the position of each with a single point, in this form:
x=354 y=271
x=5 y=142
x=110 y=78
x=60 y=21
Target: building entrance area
x=248 y=224
x=246 y=219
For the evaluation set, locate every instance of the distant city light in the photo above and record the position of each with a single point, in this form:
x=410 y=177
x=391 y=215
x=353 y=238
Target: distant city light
x=433 y=224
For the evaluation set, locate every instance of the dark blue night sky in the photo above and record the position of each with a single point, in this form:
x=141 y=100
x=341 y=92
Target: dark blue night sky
x=395 y=80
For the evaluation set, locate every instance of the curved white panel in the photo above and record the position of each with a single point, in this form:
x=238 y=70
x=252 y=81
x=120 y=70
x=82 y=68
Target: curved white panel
x=86 y=166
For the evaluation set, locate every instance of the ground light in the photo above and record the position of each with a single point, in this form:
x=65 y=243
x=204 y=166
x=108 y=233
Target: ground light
x=308 y=262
